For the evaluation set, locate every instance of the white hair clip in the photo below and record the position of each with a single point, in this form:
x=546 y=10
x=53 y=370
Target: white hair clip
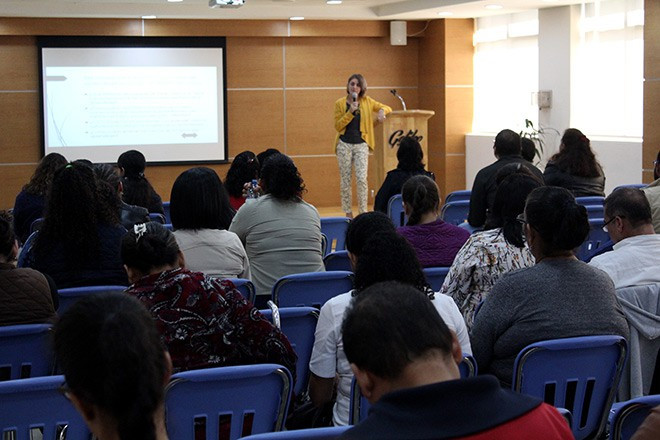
x=139 y=230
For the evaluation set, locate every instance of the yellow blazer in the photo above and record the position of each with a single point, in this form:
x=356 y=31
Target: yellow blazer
x=368 y=107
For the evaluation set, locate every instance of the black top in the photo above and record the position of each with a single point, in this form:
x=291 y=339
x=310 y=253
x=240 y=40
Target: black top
x=392 y=185
x=482 y=196
x=132 y=214
x=578 y=185
x=352 y=135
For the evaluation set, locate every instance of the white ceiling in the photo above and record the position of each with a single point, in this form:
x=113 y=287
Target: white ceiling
x=272 y=9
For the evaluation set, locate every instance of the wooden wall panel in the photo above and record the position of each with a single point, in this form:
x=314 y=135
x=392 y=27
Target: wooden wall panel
x=254 y=62
x=310 y=121
x=220 y=28
x=328 y=62
x=340 y=28
x=162 y=177
x=652 y=39
x=70 y=26
x=432 y=56
x=13 y=179
x=20 y=128
x=255 y=120
x=651 y=139
x=18 y=63
x=455 y=175
x=459 y=52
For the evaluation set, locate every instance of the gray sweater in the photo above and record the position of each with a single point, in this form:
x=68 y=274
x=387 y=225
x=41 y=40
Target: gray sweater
x=554 y=299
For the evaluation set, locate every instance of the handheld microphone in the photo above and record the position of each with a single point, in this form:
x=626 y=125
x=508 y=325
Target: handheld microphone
x=355 y=96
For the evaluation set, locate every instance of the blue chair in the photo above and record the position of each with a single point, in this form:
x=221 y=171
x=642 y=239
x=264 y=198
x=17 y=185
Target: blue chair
x=70 y=295
x=169 y=226
x=395 y=210
x=626 y=417
x=456 y=212
x=436 y=276
x=604 y=247
x=302 y=434
x=468 y=227
x=36 y=224
x=359 y=405
x=311 y=289
x=334 y=229
x=463 y=194
x=590 y=200
x=156 y=217
x=298 y=324
x=631 y=185
x=166 y=211
x=232 y=401
x=580 y=374
x=246 y=287
x=35 y=408
x=595 y=211
x=596 y=238
x=25 y=351
x=337 y=261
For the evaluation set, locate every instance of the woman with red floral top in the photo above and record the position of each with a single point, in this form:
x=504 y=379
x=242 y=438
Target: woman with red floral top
x=203 y=322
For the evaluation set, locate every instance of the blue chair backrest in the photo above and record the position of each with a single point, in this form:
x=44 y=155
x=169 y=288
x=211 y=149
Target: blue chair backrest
x=36 y=224
x=604 y=247
x=456 y=212
x=227 y=402
x=302 y=434
x=311 y=289
x=595 y=211
x=359 y=405
x=334 y=229
x=580 y=374
x=166 y=211
x=337 y=261
x=70 y=295
x=25 y=351
x=298 y=324
x=463 y=194
x=596 y=238
x=590 y=200
x=157 y=217
x=395 y=210
x=169 y=226
x=35 y=406
x=246 y=287
x=436 y=276
x=631 y=185
x=625 y=417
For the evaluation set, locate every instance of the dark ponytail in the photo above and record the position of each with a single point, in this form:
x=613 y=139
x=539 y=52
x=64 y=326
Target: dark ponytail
x=111 y=355
x=149 y=245
x=553 y=213
x=421 y=194
x=137 y=189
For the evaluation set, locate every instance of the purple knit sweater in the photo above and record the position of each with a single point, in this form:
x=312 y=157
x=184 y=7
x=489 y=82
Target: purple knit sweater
x=437 y=243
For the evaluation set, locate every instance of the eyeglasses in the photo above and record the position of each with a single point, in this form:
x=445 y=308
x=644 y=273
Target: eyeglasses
x=610 y=221
x=521 y=218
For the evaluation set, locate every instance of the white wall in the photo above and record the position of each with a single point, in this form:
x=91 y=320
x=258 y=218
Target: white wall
x=621 y=158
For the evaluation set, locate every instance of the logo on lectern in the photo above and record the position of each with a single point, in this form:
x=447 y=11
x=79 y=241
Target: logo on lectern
x=397 y=135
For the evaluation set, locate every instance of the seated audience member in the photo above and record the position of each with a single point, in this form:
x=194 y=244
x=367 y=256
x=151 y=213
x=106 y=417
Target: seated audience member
x=280 y=231
x=528 y=149
x=410 y=157
x=405 y=361
x=31 y=201
x=79 y=241
x=261 y=157
x=650 y=427
x=635 y=259
x=575 y=166
x=382 y=256
x=507 y=150
x=111 y=190
x=488 y=255
x=559 y=297
x=652 y=192
x=244 y=168
x=435 y=242
x=26 y=296
x=137 y=189
x=203 y=322
x=115 y=367
x=201 y=214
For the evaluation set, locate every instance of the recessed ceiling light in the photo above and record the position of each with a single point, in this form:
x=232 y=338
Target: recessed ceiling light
x=445 y=13
x=493 y=7
x=148 y=17
x=333 y=2
x=296 y=18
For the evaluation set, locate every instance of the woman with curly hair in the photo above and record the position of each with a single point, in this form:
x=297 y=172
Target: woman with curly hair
x=280 y=231
x=575 y=166
x=377 y=254
x=31 y=201
x=244 y=168
x=111 y=191
x=78 y=243
x=115 y=367
x=137 y=189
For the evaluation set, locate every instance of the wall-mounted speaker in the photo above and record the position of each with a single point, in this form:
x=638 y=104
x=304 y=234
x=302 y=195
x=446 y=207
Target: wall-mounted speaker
x=398 y=33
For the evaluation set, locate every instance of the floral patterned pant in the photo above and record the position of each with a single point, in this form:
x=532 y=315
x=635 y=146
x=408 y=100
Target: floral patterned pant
x=349 y=156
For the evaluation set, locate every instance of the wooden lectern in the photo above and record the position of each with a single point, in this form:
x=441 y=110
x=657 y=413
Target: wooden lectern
x=398 y=124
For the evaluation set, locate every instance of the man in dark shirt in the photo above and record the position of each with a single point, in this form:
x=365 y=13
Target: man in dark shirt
x=507 y=150
x=404 y=358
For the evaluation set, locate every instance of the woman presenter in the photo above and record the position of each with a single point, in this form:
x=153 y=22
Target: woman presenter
x=354 y=119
